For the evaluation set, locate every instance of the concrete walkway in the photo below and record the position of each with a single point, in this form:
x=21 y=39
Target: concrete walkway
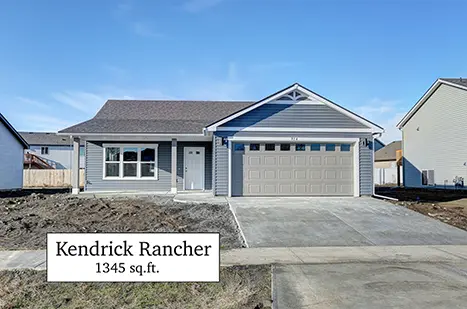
x=310 y=255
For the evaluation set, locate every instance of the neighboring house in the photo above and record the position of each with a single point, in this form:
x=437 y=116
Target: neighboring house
x=378 y=144
x=386 y=168
x=434 y=143
x=293 y=142
x=12 y=146
x=54 y=149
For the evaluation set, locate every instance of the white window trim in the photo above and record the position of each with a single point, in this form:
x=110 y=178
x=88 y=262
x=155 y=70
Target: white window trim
x=138 y=162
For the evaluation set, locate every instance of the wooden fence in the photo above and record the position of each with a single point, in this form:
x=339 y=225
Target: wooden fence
x=49 y=178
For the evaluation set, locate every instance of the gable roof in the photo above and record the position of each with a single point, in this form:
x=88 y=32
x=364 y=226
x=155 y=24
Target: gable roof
x=13 y=131
x=46 y=139
x=145 y=116
x=375 y=128
x=388 y=152
x=459 y=83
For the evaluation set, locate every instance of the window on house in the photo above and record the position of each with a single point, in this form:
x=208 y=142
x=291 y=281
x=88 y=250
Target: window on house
x=254 y=147
x=300 y=147
x=285 y=147
x=270 y=147
x=81 y=151
x=315 y=147
x=428 y=177
x=345 y=147
x=330 y=147
x=44 y=150
x=131 y=161
x=239 y=147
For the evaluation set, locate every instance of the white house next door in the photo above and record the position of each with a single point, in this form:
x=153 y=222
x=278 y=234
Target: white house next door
x=194 y=168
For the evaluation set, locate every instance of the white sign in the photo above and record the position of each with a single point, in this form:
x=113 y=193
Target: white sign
x=133 y=257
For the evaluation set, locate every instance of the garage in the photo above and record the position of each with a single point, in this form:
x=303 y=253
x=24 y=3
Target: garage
x=296 y=169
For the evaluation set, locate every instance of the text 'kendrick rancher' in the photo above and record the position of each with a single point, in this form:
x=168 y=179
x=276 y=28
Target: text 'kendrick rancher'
x=124 y=249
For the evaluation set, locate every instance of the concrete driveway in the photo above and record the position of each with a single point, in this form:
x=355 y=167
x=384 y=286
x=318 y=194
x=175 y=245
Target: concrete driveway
x=371 y=285
x=307 y=222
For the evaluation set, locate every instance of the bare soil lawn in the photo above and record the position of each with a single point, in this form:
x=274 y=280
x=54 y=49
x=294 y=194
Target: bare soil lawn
x=26 y=219
x=239 y=287
x=449 y=206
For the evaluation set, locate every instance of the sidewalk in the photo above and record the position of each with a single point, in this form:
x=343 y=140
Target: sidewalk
x=309 y=255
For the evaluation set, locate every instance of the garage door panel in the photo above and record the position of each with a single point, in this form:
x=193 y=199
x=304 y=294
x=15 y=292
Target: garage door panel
x=254 y=161
x=300 y=160
x=285 y=161
x=270 y=160
x=270 y=174
x=289 y=173
x=300 y=174
x=285 y=174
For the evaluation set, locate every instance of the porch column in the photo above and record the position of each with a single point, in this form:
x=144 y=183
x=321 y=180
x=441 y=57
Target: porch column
x=75 y=167
x=174 y=166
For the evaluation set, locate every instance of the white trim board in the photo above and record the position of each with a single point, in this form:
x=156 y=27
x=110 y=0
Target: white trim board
x=265 y=129
x=374 y=128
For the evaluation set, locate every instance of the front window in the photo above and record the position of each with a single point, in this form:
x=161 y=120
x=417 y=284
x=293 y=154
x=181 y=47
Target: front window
x=254 y=147
x=285 y=147
x=130 y=161
x=330 y=147
x=44 y=150
x=270 y=147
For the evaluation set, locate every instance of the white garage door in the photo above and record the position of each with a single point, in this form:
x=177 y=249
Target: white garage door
x=298 y=169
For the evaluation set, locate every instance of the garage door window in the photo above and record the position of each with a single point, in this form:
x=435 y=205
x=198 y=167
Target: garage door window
x=345 y=147
x=315 y=147
x=330 y=147
x=285 y=147
x=300 y=147
x=239 y=147
x=270 y=147
x=254 y=147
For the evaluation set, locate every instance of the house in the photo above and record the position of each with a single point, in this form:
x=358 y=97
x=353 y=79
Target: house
x=433 y=137
x=11 y=156
x=293 y=142
x=50 y=150
x=387 y=170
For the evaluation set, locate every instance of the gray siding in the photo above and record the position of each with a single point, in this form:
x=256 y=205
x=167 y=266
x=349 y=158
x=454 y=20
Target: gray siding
x=294 y=115
x=11 y=160
x=221 y=166
x=434 y=139
x=94 y=169
x=221 y=158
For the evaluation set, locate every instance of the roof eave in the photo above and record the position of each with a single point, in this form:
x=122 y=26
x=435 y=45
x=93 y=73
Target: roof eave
x=424 y=98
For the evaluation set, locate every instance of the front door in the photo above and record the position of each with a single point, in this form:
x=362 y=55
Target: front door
x=194 y=168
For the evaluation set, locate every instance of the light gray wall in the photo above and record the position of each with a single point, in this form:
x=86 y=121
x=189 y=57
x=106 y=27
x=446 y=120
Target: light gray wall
x=59 y=156
x=94 y=168
x=221 y=157
x=435 y=138
x=11 y=160
x=294 y=115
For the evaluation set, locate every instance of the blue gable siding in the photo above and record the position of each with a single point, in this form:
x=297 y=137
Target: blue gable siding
x=300 y=115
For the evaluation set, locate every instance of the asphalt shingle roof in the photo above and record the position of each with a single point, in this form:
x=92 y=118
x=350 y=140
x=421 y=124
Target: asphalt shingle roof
x=388 y=152
x=458 y=81
x=136 y=116
x=45 y=138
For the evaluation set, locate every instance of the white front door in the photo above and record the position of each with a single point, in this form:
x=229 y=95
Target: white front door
x=194 y=168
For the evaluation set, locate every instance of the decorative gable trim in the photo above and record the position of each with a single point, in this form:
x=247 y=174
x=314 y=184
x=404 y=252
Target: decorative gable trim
x=297 y=94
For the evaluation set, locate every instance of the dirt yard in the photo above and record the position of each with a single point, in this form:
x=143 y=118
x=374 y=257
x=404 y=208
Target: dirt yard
x=239 y=287
x=25 y=220
x=449 y=206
